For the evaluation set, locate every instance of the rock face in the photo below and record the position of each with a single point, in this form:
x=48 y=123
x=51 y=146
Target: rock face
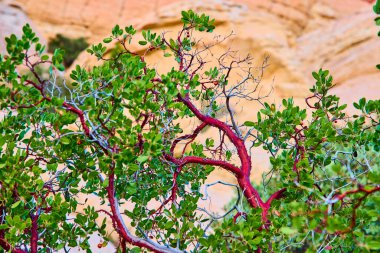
x=299 y=35
x=12 y=18
x=86 y=18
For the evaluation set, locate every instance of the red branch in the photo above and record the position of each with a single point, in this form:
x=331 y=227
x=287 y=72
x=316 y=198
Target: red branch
x=34 y=235
x=243 y=174
x=122 y=229
x=65 y=105
x=6 y=246
x=360 y=189
x=3 y=243
x=205 y=161
x=277 y=195
x=356 y=206
x=238 y=214
x=188 y=136
x=238 y=143
x=80 y=115
x=173 y=195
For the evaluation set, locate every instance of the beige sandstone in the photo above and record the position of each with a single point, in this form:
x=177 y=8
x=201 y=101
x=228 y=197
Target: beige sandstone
x=299 y=35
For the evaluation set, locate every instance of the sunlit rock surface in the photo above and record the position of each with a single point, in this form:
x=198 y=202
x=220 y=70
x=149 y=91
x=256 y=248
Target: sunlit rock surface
x=299 y=35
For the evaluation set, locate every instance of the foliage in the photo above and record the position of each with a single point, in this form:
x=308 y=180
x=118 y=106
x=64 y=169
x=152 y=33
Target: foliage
x=72 y=47
x=115 y=134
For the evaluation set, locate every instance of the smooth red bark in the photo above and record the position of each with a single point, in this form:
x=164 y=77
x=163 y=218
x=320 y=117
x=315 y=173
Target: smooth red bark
x=34 y=235
x=122 y=229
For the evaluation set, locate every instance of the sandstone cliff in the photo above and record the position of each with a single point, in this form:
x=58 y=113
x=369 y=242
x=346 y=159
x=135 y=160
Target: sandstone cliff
x=299 y=35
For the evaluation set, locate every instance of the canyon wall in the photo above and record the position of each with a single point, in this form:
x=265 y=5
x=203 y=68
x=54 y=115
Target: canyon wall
x=299 y=35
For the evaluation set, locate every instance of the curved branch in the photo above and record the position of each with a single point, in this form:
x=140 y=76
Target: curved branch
x=188 y=136
x=243 y=174
x=67 y=106
x=205 y=161
x=238 y=143
x=6 y=246
x=122 y=228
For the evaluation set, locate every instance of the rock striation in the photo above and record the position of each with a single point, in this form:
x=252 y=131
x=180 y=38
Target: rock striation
x=299 y=35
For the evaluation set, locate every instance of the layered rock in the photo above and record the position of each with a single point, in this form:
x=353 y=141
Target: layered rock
x=299 y=35
x=90 y=19
x=12 y=19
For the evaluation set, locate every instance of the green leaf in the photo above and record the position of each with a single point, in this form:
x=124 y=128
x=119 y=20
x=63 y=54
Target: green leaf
x=133 y=167
x=141 y=42
x=107 y=40
x=362 y=102
x=57 y=101
x=60 y=67
x=60 y=246
x=105 y=183
x=249 y=123
x=135 y=250
x=257 y=240
x=373 y=244
x=228 y=155
x=142 y=158
x=315 y=75
x=65 y=140
x=288 y=231
x=377 y=21
x=185 y=14
x=16 y=204
x=22 y=134
x=376 y=7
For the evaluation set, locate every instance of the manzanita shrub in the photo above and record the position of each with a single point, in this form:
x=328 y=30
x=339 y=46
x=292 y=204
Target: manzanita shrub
x=116 y=132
